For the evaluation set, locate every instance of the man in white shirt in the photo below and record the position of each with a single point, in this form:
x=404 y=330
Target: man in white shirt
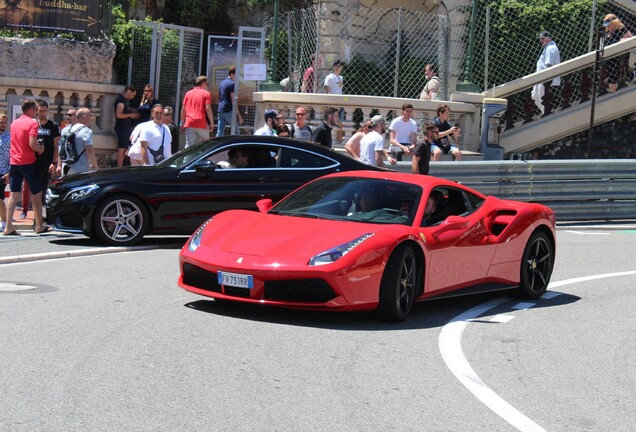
x=402 y=132
x=549 y=57
x=334 y=81
x=154 y=142
x=270 y=124
x=372 y=148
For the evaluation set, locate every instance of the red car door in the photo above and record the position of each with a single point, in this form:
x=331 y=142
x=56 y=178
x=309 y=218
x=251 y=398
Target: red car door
x=459 y=253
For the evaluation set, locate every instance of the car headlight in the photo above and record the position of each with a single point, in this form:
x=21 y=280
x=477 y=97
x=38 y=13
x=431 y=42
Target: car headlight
x=333 y=254
x=195 y=240
x=82 y=192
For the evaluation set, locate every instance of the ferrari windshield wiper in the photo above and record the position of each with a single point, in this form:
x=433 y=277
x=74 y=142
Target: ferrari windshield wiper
x=299 y=214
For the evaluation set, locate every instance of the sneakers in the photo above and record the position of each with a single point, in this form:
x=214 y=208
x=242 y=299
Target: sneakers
x=3 y=225
x=23 y=215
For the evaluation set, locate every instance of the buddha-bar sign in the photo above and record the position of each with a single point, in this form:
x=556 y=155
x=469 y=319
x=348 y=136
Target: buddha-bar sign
x=76 y=16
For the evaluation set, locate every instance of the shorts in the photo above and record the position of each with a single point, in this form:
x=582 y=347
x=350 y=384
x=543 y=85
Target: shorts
x=2 y=188
x=452 y=149
x=31 y=173
x=123 y=138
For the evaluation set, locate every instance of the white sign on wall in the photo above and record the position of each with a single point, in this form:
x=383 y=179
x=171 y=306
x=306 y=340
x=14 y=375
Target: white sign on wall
x=255 y=72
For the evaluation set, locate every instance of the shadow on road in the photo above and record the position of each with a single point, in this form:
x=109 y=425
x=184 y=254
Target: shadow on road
x=425 y=315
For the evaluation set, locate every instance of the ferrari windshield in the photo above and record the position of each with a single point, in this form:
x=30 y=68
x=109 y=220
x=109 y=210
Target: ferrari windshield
x=354 y=199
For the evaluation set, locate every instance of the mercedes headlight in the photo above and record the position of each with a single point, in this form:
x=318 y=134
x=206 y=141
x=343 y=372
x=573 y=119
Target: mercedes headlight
x=333 y=254
x=82 y=192
x=195 y=240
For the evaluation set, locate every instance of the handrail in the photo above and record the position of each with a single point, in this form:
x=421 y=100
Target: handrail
x=561 y=69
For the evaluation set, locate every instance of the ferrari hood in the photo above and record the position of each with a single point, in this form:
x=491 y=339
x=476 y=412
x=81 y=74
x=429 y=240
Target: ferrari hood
x=257 y=234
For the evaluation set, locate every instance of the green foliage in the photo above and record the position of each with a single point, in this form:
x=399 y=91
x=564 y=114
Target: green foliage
x=360 y=74
x=121 y=34
x=515 y=25
x=198 y=13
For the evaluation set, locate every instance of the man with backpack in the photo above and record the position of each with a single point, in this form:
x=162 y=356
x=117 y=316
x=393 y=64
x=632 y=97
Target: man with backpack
x=85 y=159
x=300 y=130
x=71 y=119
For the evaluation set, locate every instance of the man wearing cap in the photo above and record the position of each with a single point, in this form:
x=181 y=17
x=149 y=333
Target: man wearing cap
x=270 y=123
x=549 y=57
x=334 y=81
x=372 y=149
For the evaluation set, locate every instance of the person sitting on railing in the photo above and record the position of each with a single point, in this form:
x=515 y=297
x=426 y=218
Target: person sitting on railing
x=615 y=31
x=549 y=57
x=443 y=143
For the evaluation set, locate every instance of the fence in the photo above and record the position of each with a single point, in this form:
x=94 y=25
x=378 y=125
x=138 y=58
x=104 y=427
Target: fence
x=577 y=190
x=168 y=57
x=386 y=49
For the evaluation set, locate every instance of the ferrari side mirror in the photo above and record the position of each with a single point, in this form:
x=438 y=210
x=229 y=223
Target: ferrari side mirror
x=264 y=205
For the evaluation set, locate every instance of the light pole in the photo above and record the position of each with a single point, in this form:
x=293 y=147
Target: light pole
x=600 y=51
x=467 y=85
x=272 y=84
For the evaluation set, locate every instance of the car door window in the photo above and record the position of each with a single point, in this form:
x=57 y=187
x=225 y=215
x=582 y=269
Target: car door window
x=294 y=158
x=259 y=156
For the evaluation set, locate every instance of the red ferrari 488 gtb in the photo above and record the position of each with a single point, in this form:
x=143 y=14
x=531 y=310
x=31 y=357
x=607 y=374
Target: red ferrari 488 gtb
x=371 y=240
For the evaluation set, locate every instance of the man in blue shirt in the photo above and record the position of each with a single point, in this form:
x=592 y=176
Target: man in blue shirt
x=226 y=103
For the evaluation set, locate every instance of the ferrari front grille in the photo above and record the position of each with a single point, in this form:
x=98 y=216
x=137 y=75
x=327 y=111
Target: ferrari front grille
x=199 y=278
x=299 y=290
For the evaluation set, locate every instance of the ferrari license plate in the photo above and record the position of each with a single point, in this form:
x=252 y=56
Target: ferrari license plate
x=236 y=280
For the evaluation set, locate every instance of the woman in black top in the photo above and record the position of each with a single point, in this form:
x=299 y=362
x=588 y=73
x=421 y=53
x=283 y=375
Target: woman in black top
x=147 y=102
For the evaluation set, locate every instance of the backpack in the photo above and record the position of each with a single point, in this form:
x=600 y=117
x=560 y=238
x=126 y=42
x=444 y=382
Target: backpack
x=68 y=151
x=292 y=130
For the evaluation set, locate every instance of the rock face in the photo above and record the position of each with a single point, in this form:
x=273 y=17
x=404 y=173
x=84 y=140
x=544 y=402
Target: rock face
x=57 y=58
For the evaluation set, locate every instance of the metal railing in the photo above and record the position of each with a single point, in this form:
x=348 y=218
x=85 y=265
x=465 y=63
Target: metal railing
x=577 y=190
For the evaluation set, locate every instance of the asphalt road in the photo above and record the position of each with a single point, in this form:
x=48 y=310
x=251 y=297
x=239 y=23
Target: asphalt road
x=109 y=342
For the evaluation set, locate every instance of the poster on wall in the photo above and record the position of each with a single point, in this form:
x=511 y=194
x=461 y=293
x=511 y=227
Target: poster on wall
x=222 y=55
x=76 y=16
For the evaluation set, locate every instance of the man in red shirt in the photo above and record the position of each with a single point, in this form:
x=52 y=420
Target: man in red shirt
x=196 y=112
x=24 y=146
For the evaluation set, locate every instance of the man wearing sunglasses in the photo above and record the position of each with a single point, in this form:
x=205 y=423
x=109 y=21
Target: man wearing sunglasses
x=300 y=129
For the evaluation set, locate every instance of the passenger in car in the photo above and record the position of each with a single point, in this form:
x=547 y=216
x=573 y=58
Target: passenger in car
x=435 y=206
x=237 y=158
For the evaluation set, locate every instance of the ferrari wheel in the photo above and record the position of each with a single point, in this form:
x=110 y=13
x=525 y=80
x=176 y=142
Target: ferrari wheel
x=398 y=287
x=536 y=266
x=120 y=220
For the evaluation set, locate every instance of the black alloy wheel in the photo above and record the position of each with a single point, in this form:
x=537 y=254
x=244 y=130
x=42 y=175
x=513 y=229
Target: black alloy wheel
x=399 y=283
x=536 y=266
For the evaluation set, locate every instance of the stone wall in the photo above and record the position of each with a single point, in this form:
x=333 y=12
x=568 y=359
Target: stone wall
x=57 y=58
x=611 y=140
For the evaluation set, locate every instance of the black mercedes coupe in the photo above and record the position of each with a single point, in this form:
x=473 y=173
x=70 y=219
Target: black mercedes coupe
x=118 y=206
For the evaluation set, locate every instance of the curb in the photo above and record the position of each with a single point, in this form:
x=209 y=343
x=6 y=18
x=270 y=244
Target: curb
x=73 y=253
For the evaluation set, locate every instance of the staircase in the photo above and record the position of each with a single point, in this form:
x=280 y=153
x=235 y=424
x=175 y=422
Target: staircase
x=524 y=132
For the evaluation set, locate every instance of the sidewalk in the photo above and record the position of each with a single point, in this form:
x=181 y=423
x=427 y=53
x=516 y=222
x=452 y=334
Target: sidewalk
x=23 y=224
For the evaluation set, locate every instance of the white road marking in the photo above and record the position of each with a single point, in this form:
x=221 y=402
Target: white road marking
x=587 y=232
x=450 y=347
x=501 y=318
x=548 y=295
x=523 y=306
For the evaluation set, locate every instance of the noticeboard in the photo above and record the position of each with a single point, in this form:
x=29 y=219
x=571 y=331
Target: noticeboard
x=76 y=16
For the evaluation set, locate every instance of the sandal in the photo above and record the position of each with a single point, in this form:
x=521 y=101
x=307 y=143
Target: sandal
x=12 y=233
x=45 y=229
